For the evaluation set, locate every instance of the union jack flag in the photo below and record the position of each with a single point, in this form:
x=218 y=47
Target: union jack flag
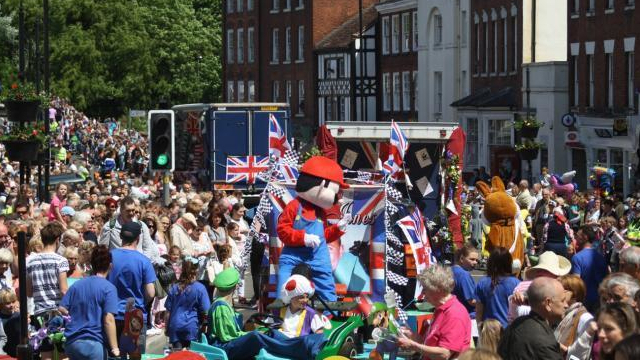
x=414 y=230
x=278 y=144
x=245 y=169
x=398 y=147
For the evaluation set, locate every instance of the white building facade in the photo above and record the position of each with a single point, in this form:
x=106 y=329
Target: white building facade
x=443 y=57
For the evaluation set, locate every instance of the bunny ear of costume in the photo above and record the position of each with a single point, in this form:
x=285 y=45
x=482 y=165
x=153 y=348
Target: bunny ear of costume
x=483 y=188
x=497 y=184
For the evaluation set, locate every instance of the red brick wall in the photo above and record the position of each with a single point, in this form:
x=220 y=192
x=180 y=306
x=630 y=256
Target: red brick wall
x=498 y=80
x=245 y=71
x=598 y=28
x=329 y=14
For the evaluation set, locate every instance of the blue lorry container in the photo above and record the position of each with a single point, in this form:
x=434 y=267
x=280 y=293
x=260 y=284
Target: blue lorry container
x=234 y=129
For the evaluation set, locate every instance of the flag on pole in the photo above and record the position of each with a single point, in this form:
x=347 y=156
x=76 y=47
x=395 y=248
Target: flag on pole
x=278 y=143
x=415 y=231
x=245 y=169
x=398 y=147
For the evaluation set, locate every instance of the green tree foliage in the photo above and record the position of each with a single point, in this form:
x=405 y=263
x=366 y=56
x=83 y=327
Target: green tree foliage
x=119 y=54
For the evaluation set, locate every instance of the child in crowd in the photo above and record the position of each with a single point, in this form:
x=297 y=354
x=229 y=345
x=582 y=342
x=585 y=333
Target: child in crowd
x=175 y=259
x=74 y=273
x=9 y=304
x=299 y=318
x=236 y=241
x=187 y=304
x=10 y=321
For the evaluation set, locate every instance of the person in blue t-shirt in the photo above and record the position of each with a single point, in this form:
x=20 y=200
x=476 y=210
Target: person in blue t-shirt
x=187 y=305
x=465 y=287
x=589 y=264
x=132 y=275
x=91 y=303
x=493 y=290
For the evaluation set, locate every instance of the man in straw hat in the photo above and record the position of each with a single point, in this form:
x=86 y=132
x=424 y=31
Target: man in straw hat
x=225 y=329
x=549 y=266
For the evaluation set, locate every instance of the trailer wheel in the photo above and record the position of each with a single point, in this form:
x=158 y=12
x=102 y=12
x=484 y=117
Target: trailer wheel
x=348 y=350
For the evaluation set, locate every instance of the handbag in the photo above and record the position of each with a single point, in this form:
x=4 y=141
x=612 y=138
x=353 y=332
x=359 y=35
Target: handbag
x=213 y=268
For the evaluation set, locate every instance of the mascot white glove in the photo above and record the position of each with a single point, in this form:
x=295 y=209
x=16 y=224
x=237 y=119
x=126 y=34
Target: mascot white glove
x=342 y=224
x=312 y=241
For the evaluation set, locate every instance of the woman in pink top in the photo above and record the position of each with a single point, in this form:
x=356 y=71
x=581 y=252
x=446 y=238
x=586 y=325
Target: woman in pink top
x=58 y=202
x=450 y=331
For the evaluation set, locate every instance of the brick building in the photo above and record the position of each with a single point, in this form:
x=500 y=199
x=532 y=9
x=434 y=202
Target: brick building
x=398 y=72
x=603 y=86
x=495 y=94
x=281 y=36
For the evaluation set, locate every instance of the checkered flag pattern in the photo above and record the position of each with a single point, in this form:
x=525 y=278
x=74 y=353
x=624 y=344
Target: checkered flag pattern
x=291 y=157
x=391 y=208
x=402 y=315
x=397 y=279
x=392 y=192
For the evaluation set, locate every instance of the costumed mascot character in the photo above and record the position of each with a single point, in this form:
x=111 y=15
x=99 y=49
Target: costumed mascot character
x=302 y=229
x=500 y=211
x=385 y=332
x=563 y=185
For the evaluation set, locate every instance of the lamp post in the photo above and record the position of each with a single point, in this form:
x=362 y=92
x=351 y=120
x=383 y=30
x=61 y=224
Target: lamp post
x=47 y=125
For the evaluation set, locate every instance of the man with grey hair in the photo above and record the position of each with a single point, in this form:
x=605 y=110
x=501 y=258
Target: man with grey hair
x=524 y=198
x=630 y=261
x=622 y=287
x=530 y=337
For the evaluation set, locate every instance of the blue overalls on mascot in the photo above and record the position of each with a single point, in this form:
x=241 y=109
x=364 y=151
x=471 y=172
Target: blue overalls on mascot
x=302 y=225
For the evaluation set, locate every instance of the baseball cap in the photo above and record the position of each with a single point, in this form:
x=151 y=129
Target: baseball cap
x=130 y=230
x=67 y=210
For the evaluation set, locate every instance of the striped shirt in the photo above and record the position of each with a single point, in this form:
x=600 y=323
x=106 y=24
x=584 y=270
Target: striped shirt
x=44 y=269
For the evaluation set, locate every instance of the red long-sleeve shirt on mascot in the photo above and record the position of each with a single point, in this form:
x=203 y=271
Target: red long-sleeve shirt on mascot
x=295 y=238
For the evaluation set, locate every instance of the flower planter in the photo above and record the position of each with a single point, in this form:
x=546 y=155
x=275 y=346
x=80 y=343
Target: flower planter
x=528 y=154
x=529 y=132
x=21 y=150
x=22 y=111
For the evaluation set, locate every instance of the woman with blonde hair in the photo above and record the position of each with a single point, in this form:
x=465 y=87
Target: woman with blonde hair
x=490 y=335
x=84 y=256
x=576 y=316
x=479 y=354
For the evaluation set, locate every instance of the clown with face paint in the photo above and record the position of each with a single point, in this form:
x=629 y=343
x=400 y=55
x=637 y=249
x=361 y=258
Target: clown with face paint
x=302 y=228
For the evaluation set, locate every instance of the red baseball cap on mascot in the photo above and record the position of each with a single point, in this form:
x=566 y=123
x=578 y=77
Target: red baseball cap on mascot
x=324 y=168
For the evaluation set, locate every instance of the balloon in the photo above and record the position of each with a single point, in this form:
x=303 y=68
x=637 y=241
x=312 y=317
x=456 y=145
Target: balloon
x=560 y=188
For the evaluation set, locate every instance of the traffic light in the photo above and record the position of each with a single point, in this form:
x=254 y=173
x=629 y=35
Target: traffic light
x=161 y=143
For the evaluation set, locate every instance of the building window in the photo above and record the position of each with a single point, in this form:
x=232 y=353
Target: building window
x=591 y=76
x=287 y=48
x=288 y=92
x=301 y=43
x=240 y=91
x=609 y=74
x=287 y=5
x=592 y=6
x=300 y=96
x=505 y=47
x=495 y=46
x=385 y=35
x=406 y=91
x=230 y=48
x=230 y=92
x=463 y=28
x=231 y=6
x=251 y=56
x=472 y=149
x=275 y=5
x=514 y=54
x=415 y=90
x=610 y=4
x=437 y=92
x=300 y=5
x=437 y=30
x=406 y=32
x=630 y=80
x=251 y=86
x=576 y=82
x=240 y=6
x=249 y=5
x=485 y=28
x=240 y=46
x=336 y=108
x=396 y=91
x=631 y=2
x=334 y=68
x=275 y=45
x=477 y=67
x=395 y=36
x=415 y=30
x=386 y=88
x=499 y=132
x=576 y=7
x=276 y=91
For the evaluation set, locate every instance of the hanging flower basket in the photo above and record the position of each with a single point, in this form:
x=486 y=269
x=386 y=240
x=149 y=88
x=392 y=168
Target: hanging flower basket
x=528 y=154
x=22 y=111
x=21 y=150
x=529 y=132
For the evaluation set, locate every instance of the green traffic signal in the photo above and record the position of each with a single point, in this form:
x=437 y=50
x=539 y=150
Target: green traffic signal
x=162 y=160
